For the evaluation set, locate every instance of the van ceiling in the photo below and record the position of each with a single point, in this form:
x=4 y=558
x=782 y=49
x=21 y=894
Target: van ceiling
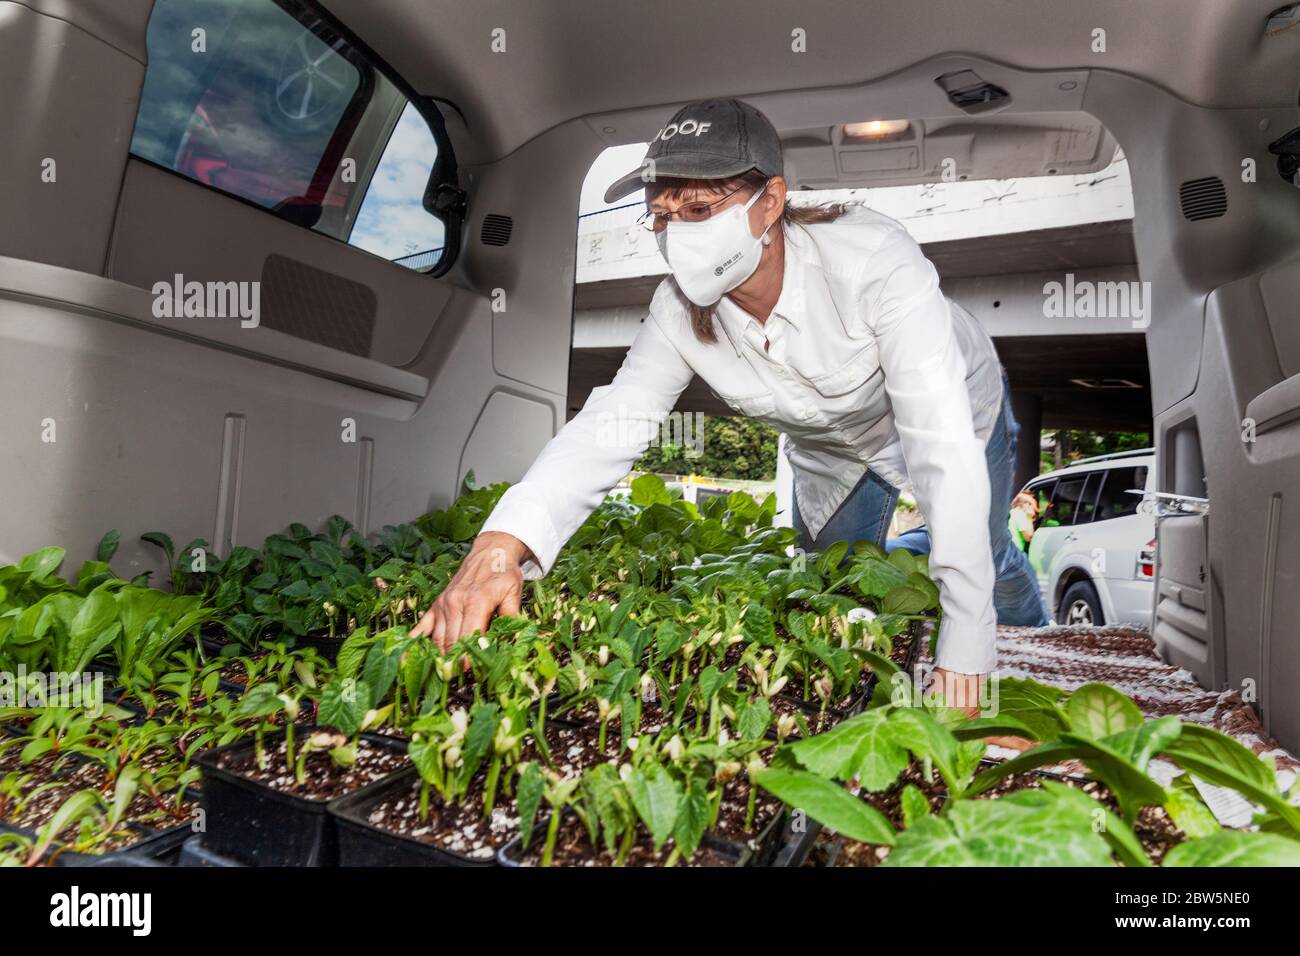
x=585 y=58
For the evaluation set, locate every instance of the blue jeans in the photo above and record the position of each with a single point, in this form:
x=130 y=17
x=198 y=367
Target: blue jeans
x=866 y=513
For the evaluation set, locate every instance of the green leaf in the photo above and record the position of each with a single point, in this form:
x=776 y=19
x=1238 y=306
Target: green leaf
x=1116 y=832
x=343 y=705
x=905 y=599
x=605 y=792
x=1029 y=828
x=381 y=668
x=693 y=818
x=532 y=786
x=1098 y=710
x=657 y=798
x=1143 y=743
x=39 y=565
x=108 y=546
x=914 y=805
x=483 y=721
x=649 y=490
x=260 y=700
x=1190 y=814
x=1236 y=848
x=1031 y=703
x=163 y=541
x=828 y=803
x=877 y=578
x=863 y=747
x=829 y=561
x=78 y=806
x=903 y=559
x=752 y=719
x=920 y=732
x=1217 y=758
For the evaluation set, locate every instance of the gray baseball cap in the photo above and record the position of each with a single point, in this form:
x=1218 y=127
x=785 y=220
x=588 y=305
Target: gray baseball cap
x=708 y=139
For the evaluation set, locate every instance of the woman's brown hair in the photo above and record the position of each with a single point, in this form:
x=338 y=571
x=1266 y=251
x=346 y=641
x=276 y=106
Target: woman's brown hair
x=702 y=315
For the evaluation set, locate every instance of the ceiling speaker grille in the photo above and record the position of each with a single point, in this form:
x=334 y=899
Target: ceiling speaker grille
x=496 y=229
x=1203 y=198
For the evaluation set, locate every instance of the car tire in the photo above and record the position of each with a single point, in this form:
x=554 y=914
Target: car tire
x=1080 y=605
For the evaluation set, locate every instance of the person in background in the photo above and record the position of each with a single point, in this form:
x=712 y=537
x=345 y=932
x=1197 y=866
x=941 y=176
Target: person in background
x=1024 y=509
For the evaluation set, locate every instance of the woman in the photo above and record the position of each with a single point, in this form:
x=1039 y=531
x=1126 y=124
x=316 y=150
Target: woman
x=1020 y=522
x=825 y=322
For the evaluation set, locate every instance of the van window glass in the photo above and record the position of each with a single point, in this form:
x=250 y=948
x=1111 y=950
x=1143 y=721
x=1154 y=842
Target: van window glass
x=262 y=100
x=1116 y=499
x=1065 y=500
x=1042 y=493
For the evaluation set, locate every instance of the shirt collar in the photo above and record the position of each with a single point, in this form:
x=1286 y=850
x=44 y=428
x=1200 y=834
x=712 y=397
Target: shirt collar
x=734 y=319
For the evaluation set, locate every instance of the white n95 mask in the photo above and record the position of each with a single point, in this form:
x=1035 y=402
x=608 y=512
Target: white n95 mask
x=712 y=257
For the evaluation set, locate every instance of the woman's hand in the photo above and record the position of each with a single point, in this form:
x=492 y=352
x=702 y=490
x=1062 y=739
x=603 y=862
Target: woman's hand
x=962 y=691
x=489 y=581
x=954 y=689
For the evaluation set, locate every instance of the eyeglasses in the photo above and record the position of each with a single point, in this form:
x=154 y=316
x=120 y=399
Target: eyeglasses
x=690 y=212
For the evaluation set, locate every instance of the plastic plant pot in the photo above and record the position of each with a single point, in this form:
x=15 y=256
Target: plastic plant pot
x=256 y=825
x=793 y=846
x=361 y=843
x=512 y=854
x=194 y=854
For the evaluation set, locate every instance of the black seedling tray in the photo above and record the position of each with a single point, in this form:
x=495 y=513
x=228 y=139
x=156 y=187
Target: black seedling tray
x=259 y=826
x=153 y=846
x=194 y=854
x=361 y=843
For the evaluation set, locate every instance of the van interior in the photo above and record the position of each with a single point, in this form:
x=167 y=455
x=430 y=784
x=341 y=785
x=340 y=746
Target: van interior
x=169 y=152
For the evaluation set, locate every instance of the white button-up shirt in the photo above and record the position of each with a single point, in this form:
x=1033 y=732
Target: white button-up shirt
x=863 y=363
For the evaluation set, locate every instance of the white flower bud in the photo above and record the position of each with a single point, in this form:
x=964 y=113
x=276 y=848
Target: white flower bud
x=825 y=687
x=785 y=726
x=674 y=748
x=602 y=656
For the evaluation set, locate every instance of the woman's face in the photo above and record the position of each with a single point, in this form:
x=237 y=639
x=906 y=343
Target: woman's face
x=695 y=204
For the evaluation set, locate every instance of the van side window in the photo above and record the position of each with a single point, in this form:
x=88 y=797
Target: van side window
x=1043 y=495
x=1070 y=492
x=1116 y=499
x=263 y=100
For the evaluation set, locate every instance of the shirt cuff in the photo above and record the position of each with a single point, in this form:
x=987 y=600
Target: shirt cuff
x=966 y=648
x=530 y=523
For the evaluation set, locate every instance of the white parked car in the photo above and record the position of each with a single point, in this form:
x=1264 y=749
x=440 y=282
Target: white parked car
x=1093 y=547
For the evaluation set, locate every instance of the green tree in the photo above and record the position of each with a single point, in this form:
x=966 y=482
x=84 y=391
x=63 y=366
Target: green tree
x=1070 y=445
x=738 y=448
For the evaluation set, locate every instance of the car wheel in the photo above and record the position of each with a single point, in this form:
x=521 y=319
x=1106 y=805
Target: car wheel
x=1080 y=605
